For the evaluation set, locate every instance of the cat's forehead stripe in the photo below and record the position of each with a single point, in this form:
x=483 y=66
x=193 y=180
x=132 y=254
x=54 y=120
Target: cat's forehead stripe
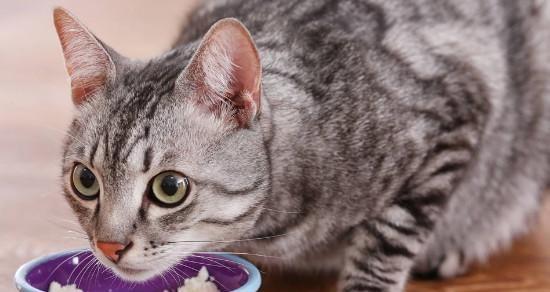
x=146 y=88
x=148 y=156
x=93 y=151
x=135 y=142
x=107 y=149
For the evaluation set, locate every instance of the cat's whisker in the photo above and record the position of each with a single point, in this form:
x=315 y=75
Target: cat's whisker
x=229 y=240
x=183 y=277
x=280 y=211
x=222 y=260
x=164 y=279
x=66 y=220
x=187 y=255
x=97 y=268
x=214 y=260
x=112 y=277
x=206 y=264
x=84 y=271
x=77 y=265
x=62 y=263
x=131 y=286
x=211 y=259
x=73 y=234
x=173 y=272
x=107 y=270
x=169 y=271
x=93 y=269
x=69 y=229
x=183 y=272
x=77 y=237
x=77 y=232
x=85 y=239
x=237 y=253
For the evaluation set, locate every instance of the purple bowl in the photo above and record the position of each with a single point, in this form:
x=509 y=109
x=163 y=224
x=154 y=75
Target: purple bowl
x=230 y=273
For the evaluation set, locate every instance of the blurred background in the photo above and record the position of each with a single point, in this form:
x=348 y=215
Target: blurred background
x=35 y=109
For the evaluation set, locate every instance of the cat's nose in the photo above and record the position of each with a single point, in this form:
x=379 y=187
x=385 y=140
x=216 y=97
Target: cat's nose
x=113 y=250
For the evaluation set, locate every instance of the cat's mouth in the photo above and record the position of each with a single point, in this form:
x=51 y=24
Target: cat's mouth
x=130 y=273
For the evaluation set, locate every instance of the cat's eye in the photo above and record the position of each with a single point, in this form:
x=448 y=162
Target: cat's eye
x=169 y=189
x=84 y=182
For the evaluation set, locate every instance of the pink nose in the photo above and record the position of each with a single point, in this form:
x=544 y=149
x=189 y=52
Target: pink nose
x=112 y=250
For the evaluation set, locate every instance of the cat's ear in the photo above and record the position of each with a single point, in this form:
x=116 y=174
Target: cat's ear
x=87 y=61
x=225 y=72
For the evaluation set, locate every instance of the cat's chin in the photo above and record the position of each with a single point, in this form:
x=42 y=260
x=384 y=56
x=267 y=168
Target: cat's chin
x=134 y=275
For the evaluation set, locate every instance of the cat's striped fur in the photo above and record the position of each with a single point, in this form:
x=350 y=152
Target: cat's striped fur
x=392 y=136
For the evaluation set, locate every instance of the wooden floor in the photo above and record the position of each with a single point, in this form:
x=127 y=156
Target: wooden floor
x=35 y=109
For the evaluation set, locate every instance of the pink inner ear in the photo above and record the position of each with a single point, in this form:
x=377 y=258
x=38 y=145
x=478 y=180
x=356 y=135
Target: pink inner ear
x=81 y=90
x=231 y=67
x=86 y=60
x=246 y=66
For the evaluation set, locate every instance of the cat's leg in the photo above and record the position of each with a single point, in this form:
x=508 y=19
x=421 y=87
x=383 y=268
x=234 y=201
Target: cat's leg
x=382 y=251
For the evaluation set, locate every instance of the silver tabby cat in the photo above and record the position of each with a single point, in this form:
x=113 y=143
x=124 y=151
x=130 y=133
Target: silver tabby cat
x=378 y=138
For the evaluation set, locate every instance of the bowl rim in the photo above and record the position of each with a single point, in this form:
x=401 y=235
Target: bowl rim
x=253 y=284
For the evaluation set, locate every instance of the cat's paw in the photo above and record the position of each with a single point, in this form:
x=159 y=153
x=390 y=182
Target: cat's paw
x=449 y=265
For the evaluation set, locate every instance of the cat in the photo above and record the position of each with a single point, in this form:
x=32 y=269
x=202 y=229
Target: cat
x=376 y=138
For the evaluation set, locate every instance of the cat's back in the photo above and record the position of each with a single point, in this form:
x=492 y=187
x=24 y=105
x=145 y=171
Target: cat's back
x=366 y=20
x=348 y=57
x=322 y=42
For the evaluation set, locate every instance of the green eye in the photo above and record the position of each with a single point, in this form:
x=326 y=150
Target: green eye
x=169 y=189
x=84 y=182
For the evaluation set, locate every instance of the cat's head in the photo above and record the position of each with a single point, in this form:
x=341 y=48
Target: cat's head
x=164 y=157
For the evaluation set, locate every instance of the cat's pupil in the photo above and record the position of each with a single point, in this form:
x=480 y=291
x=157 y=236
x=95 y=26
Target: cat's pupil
x=87 y=178
x=170 y=185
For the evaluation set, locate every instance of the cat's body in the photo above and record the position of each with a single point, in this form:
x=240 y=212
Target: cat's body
x=368 y=75
x=391 y=135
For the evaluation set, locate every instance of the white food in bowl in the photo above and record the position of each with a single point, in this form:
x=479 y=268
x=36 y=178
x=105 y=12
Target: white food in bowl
x=200 y=283
x=56 y=287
